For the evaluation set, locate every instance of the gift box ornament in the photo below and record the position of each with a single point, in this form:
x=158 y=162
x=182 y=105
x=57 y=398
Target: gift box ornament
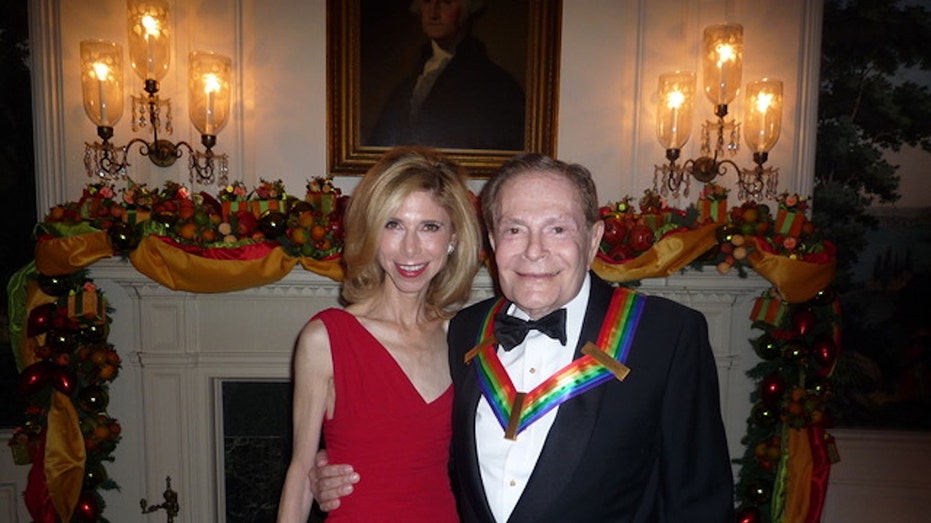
x=22 y=448
x=256 y=207
x=136 y=216
x=260 y=207
x=87 y=304
x=322 y=195
x=789 y=223
x=323 y=202
x=714 y=211
x=769 y=310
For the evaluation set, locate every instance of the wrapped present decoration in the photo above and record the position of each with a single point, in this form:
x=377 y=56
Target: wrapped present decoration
x=714 y=211
x=136 y=216
x=260 y=207
x=87 y=303
x=790 y=223
x=322 y=195
x=20 y=453
x=22 y=446
x=769 y=310
x=256 y=207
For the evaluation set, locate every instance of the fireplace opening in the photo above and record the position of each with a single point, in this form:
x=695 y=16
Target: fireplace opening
x=256 y=447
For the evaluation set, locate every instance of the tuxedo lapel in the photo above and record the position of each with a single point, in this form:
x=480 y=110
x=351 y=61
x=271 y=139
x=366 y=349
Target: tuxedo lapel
x=468 y=394
x=568 y=438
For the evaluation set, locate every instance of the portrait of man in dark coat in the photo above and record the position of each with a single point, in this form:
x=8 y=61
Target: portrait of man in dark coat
x=456 y=96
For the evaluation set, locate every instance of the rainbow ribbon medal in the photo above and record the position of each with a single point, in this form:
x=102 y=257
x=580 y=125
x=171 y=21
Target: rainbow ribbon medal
x=599 y=363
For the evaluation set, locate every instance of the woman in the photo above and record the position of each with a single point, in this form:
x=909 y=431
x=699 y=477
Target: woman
x=374 y=376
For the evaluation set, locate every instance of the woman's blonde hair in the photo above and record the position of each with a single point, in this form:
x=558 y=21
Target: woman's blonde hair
x=399 y=173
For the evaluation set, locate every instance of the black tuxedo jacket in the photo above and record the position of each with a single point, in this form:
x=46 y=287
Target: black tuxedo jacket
x=649 y=449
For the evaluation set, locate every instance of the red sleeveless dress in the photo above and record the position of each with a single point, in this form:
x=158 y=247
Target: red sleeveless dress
x=398 y=443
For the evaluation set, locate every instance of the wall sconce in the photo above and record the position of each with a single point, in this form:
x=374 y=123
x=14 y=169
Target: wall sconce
x=722 y=64
x=149 y=56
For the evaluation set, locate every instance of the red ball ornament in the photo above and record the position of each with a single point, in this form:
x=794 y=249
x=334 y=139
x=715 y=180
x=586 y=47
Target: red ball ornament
x=825 y=351
x=749 y=515
x=771 y=389
x=640 y=237
x=40 y=319
x=803 y=320
x=33 y=378
x=615 y=231
x=88 y=508
x=63 y=380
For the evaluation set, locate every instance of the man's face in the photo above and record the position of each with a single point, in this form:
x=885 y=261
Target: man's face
x=441 y=21
x=543 y=246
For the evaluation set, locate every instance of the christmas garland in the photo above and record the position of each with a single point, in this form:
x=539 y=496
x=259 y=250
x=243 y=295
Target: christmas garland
x=67 y=365
x=788 y=453
x=239 y=239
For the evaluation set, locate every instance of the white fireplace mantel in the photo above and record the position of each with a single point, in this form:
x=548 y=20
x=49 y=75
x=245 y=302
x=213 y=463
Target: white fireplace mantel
x=179 y=346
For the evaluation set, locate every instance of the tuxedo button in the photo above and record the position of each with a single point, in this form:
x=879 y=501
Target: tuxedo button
x=513 y=483
x=533 y=370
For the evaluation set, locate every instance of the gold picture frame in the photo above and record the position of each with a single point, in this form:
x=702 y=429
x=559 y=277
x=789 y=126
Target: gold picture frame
x=523 y=36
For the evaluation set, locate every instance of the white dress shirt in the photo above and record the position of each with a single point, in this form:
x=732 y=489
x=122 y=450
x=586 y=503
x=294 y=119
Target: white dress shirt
x=431 y=71
x=506 y=465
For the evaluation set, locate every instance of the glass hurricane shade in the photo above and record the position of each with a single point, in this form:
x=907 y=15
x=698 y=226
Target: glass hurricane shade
x=209 y=91
x=149 y=38
x=722 y=62
x=763 y=114
x=102 y=81
x=674 y=109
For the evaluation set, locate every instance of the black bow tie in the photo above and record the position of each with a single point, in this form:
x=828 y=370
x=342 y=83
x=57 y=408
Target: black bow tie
x=511 y=331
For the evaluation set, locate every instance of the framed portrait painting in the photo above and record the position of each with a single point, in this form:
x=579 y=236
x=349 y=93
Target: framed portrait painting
x=477 y=79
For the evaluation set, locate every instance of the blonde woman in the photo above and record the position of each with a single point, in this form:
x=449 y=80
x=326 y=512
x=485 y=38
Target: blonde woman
x=373 y=378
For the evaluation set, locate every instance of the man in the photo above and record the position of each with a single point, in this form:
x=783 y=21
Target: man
x=458 y=97
x=635 y=437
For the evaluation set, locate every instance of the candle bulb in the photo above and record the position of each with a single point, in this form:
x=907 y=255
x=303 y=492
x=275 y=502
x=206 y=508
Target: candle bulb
x=722 y=64
x=209 y=92
x=763 y=118
x=675 y=101
x=101 y=82
x=674 y=109
x=211 y=86
x=725 y=54
x=151 y=31
x=101 y=70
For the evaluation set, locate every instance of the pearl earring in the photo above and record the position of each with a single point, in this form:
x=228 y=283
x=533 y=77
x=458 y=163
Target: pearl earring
x=450 y=248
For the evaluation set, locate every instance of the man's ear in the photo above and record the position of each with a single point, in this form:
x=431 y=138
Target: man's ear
x=597 y=230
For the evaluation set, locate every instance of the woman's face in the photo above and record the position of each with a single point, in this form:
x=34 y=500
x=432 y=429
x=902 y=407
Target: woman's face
x=414 y=242
x=442 y=21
